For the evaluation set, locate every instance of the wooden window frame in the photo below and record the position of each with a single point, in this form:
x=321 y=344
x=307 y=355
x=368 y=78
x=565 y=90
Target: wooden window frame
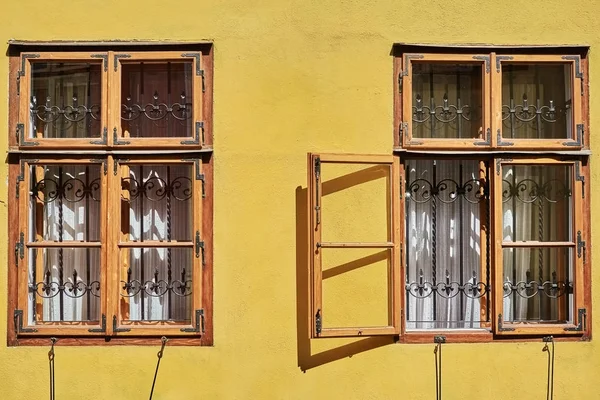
x=576 y=141
x=25 y=138
x=504 y=328
x=574 y=150
x=394 y=281
x=491 y=62
x=406 y=139
x=198 y=154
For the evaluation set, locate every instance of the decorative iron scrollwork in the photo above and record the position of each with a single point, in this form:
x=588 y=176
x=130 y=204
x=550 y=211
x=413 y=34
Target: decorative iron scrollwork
x=529 y=288
x=157 y=287
x=448 y=289
x=74 y=287
x=157 y=110
x=157 y=189
x=72 y=113
x=72 y=190
x=445 y=113
x=530 y=191
x=447 y=190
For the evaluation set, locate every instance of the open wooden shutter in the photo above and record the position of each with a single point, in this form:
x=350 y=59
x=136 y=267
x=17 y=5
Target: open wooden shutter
x=355 y=244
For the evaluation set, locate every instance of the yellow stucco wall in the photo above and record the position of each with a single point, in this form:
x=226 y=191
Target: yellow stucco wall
x=292 y=77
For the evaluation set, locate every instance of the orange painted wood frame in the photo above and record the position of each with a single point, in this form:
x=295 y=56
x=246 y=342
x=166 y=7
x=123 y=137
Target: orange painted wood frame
x=316 y=161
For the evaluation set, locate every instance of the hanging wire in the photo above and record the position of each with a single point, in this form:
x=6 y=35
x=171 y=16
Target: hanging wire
x=437 y=352
x=164 y=341
x=53 y=340
x=550 y=382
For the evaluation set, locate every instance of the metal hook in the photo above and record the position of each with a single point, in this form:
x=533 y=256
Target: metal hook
x=164 y=341
x=438 y=340
x=53 y=341
x=550 y=382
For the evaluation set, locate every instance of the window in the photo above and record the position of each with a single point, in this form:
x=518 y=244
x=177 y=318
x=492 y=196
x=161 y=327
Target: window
x=111 y=223
x=487 y=214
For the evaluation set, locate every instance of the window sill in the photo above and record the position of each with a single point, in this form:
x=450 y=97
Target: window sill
x=112 y=341
x=479 y=336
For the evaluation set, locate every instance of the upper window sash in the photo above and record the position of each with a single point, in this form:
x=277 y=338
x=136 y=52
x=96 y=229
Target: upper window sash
x=444 y=99
x=345 y=249
x=63 y=100
x=156 y=99
x=537 y=102
x=539 y=272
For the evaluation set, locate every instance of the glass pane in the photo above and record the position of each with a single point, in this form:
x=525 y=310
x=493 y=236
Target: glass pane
x=537 y=203
x=157 y=99
x=536 y=101
x=446 y=215
x=538 y=285
x=157 y=202
x=64 y=284
x=355 y=202
x=446 y=100
x=156 y=284
x=65 y=99
x=64 y=202
x=355 y=290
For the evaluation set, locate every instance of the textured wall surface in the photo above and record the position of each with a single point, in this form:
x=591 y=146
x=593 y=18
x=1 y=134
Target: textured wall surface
x=294 y=76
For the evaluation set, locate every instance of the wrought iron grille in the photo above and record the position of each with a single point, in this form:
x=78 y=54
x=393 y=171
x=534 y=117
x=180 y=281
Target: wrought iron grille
x=548 y=115
x=63 y=191
x=146 y=188
x=535 y=202
x=439 y=196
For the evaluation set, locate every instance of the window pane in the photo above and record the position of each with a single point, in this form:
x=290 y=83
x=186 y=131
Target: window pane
x=362 y=275
x=537 y=202
x=65 y=100
x=538 y=285
x=157 y=202
x=156 y=284
x=355 y=202
x=64 y=202
x=446 y=216
x=446 y=100
x=64 y=284
x=156 y=99
x=536 y=101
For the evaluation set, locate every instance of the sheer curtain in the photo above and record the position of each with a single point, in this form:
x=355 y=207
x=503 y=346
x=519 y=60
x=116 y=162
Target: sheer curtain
x=65 y=207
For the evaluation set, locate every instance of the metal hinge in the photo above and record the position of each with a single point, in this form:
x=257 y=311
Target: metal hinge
x=500 y=161
x=578 y=142
x=102 y=328
x=499 y=140
x=199 y=328
x=199 y=247
x=582 y=315
x=318 y=322
x=21 y=72
x=20 y=249
x=21 y=137
x=115 y=329
x=104 y=139
x=580 y=178
x=104 y=57
x=101 y=161
x=197 y=135
x=487 y=61
x=116 y=138
x=18 y=319
x=580 y=246
x=403 y=129
x=578 y=71
x=500 y=328
x=117 y=56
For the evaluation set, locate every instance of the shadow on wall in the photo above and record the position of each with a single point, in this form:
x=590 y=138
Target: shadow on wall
x=306 y=358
